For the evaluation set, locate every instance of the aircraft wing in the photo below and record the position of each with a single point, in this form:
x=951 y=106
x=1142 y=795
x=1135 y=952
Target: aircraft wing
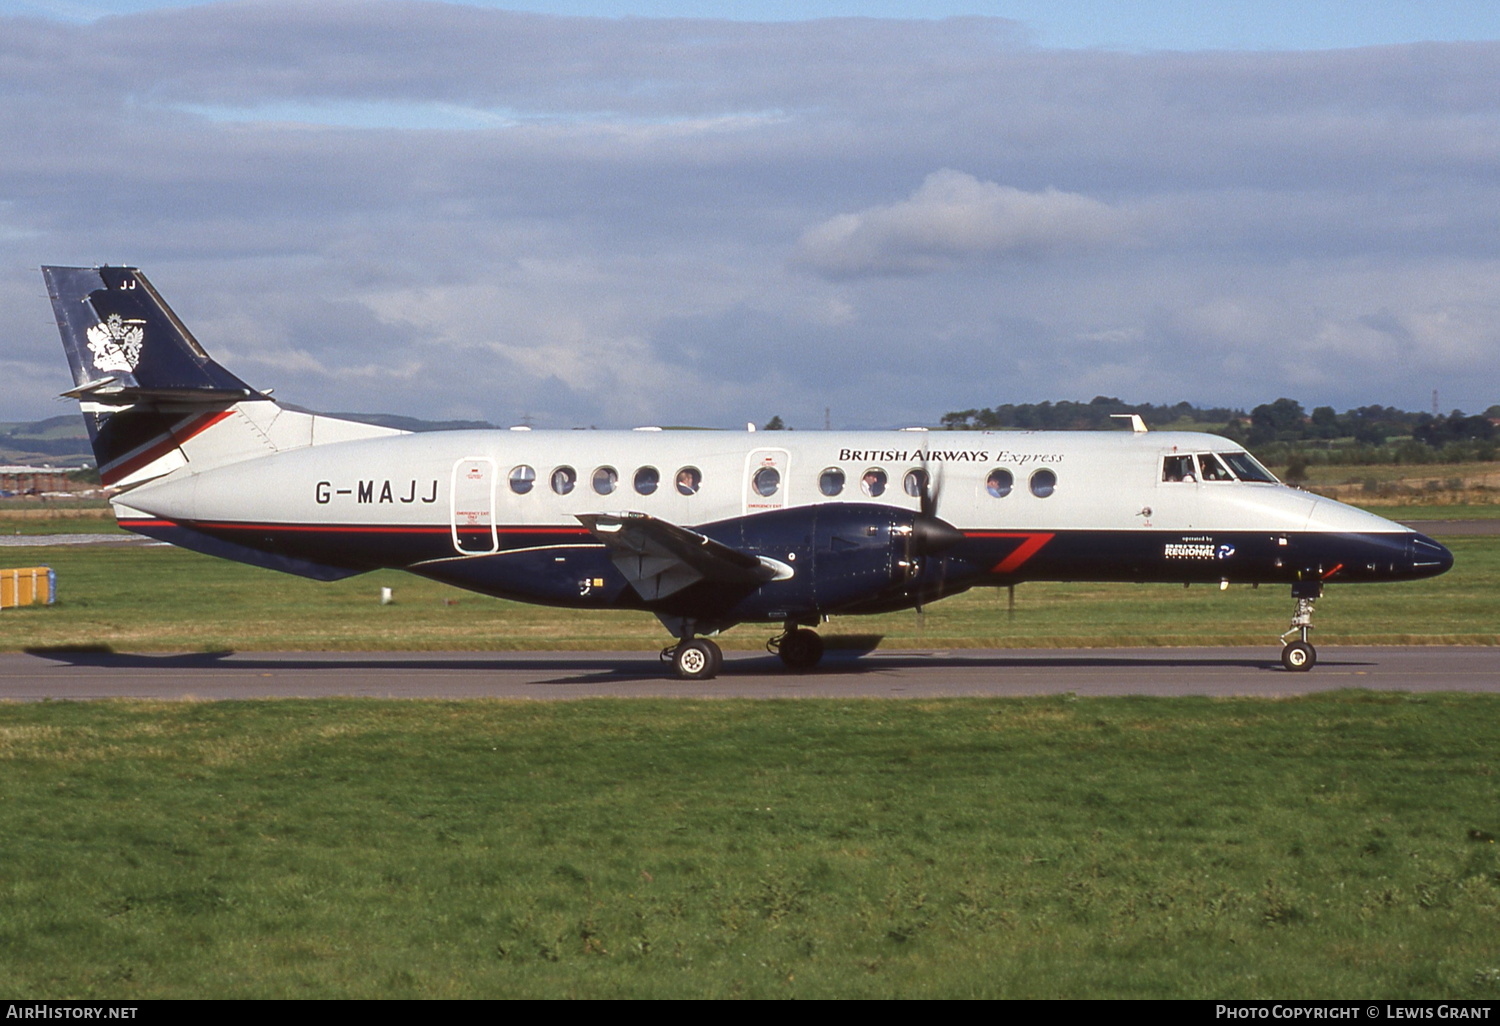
x=659 y=558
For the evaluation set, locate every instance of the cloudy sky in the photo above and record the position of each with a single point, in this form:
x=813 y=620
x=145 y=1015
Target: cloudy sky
x=612 y=213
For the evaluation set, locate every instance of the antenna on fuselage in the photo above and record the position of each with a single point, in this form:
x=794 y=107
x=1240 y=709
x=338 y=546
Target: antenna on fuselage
x=1136 y=423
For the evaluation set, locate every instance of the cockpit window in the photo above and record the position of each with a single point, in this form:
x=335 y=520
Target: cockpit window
x=1178 y=468
x=1246 y=467
x=1213 y=470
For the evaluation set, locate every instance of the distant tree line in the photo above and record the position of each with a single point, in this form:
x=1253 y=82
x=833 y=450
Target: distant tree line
x=1070 y=416
x=1286 y=421
x=1279 y=432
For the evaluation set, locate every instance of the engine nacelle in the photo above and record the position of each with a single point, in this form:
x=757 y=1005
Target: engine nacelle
x=843 y=555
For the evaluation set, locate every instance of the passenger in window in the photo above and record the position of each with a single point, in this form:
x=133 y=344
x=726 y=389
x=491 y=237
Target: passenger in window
x=999 y=483
x=1213 y=470
x=689 y=480
x=873 y=483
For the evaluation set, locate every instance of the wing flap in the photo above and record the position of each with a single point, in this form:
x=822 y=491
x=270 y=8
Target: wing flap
x=659 y=558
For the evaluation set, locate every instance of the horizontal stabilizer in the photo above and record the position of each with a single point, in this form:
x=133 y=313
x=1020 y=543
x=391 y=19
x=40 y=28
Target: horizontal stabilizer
x=110 y=392
x=659 y=558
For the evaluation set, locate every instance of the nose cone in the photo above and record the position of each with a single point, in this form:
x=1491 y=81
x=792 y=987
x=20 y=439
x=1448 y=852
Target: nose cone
x=1428 y=558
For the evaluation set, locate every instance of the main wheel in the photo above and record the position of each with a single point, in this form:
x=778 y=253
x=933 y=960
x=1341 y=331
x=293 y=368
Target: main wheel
x=697 y=660
x=801 y=649
x=1299 y=657
x=717 y=653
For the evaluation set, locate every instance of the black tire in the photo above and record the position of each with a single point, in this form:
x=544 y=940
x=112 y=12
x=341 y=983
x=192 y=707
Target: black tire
x=697 y=660
x=1299 y=657
x=716 y=652
x=801 y=649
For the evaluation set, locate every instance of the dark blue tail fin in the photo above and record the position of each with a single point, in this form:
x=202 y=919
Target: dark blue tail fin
x=127 y=346
x=144 y=383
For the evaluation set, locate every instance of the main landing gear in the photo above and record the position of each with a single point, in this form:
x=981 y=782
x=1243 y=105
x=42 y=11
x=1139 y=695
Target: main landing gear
x=694 y=658
x=799 y=648
x=1299 y=656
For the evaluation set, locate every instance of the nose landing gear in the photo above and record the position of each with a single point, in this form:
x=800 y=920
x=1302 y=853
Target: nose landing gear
x=1299 y=655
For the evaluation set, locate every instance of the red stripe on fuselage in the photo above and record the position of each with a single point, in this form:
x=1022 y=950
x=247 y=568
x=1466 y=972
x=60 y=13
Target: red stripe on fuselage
x=1031 y=544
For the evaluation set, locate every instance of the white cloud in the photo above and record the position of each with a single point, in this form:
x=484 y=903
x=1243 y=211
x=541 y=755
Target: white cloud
x=954 y=217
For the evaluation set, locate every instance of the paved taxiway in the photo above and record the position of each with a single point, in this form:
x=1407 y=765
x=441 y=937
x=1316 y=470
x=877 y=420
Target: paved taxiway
x=910 y=674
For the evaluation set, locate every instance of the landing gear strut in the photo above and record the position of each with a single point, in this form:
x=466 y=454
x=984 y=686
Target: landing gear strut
x=799 y=648
x=1299 y=656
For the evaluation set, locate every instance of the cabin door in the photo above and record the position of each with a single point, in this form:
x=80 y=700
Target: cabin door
x=767 y=479
x=473 y=509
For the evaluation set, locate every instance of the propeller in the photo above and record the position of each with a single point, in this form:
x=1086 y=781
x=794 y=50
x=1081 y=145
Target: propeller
x=929 y=532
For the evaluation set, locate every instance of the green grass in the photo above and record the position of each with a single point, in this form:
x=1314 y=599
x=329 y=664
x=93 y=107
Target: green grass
x=1386 y=473
x=1334 y=845
x=1430 y=512
x=140 y=599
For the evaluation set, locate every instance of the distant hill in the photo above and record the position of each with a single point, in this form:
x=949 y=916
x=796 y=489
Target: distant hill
x=391 y=420
x=59 y=441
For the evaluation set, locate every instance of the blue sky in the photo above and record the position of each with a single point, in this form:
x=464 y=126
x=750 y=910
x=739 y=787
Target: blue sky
x=454 y=210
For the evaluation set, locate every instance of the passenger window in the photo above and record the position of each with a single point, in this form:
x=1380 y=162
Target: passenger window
x=646 y=480
x=1043 y=483
x=563 y=480
x=689 y=480
x=831 y=482
x=766 y=481
x=999 y=483
x=873 y=483
x=605 y=479
x=1213 y=470
x=1177 y=468
x=915 y=483
x=522 y=479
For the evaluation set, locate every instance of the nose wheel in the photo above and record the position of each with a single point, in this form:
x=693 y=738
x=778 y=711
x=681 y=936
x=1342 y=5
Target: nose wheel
x=1298 y=655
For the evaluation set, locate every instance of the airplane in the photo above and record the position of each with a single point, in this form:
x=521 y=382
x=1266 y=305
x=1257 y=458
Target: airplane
x=705 y=529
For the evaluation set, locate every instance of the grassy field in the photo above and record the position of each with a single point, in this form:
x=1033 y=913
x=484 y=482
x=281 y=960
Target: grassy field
x=1336 y=845
x=148 y=598
x=1396 y=489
